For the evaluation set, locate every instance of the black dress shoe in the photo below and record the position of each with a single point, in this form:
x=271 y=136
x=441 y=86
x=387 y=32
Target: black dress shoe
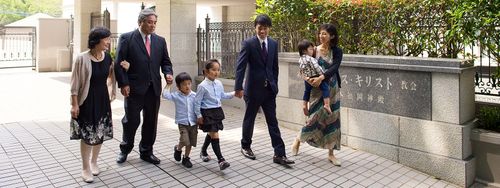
x=150 y=158
x=248 y=153
x=282 y=160
x=122 y=157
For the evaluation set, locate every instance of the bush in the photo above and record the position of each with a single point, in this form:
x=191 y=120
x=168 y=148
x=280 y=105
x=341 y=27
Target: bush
x=441 y=28
x=489 y=118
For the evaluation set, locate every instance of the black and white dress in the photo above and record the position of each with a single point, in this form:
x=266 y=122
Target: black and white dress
x=94 y=123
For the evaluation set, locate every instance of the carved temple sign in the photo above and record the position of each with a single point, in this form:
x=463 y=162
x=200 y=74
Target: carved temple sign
x=395 y=92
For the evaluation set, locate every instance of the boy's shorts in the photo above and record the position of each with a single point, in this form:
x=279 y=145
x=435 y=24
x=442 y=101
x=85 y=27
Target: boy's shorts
x=188 y=135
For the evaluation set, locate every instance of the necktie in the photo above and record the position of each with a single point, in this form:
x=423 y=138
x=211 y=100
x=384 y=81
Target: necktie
x=264 y=51
x=148 y=46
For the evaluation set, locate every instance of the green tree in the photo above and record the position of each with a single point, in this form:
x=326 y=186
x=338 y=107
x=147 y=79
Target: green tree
x=13 y=10
x=293 y=20
x=477 y=23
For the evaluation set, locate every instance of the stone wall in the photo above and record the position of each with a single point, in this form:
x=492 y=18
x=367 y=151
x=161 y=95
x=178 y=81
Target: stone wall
x=415 y=111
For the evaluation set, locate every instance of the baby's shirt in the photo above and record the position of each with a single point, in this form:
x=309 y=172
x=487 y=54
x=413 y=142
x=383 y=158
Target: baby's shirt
x=209 y=94
x=184 y=106
x=309 y=66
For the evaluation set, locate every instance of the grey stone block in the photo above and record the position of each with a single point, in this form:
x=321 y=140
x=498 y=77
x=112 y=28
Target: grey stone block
x=295 y=87
x=445 y=98
x=283 y=79
x=384 y=150
x=467 y=95
x=344 y=124
x=396 y=92
x=444 y=139
x=290 y=111
x=460 y=172
x=374 y=126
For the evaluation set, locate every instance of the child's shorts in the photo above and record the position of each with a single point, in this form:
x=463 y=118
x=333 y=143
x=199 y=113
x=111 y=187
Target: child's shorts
x=188 y=135
x=212 y=119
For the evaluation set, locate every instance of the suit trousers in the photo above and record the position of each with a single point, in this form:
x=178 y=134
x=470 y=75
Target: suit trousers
x=268 y=103
x=149 y=104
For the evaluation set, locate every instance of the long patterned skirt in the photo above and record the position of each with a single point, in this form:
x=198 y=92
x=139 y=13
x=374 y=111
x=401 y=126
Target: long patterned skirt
x=322 y=130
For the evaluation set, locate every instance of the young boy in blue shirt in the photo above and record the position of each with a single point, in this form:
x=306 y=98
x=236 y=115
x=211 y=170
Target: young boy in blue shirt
x=185 y=116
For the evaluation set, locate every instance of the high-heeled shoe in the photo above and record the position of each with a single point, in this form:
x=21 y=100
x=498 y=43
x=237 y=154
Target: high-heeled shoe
x=87 y=176
x=334 y=161
x=95 y=169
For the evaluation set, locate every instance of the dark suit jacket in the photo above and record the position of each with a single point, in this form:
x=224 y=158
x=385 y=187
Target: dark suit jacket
x=143 y=69
x=258 y=70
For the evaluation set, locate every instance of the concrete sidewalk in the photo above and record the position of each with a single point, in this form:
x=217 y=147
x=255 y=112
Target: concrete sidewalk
x=35 y=150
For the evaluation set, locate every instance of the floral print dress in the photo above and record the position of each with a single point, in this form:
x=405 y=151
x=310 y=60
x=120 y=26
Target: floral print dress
x=94 y=123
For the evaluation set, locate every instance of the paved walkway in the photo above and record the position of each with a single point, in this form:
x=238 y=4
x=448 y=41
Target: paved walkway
x=35 y=150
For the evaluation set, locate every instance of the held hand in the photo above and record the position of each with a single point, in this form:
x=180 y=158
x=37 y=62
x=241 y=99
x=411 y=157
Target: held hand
x=125 y=90
x=307 y=79
x=168 y=86
x=199 y=121
x=238 y=93
x=316 y=81
x=169 y=79
x=305 y=109
x=125 y=65
x=75 y=111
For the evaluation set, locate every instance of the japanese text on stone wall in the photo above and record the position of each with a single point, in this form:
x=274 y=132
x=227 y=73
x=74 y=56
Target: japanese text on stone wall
x=376 y=87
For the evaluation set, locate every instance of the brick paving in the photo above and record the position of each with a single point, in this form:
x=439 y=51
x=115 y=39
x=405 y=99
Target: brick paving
x=35 y=150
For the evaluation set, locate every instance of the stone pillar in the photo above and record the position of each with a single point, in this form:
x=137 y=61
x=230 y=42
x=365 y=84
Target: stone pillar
x=163 y=10
x=224 y=13
x=83 y=9
x=177 y=23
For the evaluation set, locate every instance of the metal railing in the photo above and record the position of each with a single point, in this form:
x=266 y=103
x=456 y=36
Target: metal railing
x=222 y=41
x=17 y=49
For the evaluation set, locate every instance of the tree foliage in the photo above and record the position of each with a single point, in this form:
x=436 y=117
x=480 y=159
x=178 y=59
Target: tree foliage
x=439 y=28
x=477 y=22
x=13 y=10
x=291 y=18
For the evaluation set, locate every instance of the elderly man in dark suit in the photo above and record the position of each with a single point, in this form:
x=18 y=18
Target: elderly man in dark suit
x=258 y=59
x=140 y=84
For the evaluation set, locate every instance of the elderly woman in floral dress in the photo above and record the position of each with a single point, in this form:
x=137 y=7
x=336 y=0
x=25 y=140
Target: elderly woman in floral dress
x=92 y=90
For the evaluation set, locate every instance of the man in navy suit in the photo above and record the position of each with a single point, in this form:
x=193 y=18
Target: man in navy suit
x=258 y=59
x=140 y=84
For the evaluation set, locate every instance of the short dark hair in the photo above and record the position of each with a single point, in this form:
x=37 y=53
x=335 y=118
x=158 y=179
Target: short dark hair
x=210 y=62
x=330 y=28
x=181 y=77
x=96 y=34
x=303 y=45
x=263 y=20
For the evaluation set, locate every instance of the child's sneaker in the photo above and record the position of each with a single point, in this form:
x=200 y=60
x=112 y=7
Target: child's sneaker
x=177 y=154
x=186 y=162
x=223 y=164
x=204 y=158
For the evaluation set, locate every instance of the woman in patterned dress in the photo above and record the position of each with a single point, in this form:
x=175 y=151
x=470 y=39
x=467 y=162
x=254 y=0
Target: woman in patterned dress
x=322 y=129
x=92 y=90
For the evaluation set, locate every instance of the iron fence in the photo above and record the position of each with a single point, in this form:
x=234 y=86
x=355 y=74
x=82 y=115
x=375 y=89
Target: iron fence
x=222 y=41
x=17 y=49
